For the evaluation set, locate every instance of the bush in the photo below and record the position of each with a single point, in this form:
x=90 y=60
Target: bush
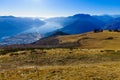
x=109 y=38
x=13 y=54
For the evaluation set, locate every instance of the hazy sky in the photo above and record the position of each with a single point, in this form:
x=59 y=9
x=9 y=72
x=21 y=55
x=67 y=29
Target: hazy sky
x=51 y=8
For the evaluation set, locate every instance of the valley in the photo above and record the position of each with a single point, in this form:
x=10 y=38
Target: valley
x=13 y=28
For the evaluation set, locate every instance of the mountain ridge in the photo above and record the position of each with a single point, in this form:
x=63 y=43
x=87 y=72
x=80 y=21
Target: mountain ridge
x=76 y=24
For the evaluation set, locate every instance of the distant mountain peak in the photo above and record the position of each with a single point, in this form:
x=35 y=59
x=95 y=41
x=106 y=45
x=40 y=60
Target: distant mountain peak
x=81 y=15
x=7 y=16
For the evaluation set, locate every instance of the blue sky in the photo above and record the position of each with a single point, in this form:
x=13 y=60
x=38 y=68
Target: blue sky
x=52 y=8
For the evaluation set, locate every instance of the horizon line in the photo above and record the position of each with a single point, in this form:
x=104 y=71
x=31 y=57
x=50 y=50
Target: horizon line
x=36 y=16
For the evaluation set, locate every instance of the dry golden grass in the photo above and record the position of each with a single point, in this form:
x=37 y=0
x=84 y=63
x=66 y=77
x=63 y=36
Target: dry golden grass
x=109 y=71
x=61 y=64
x=90 y=40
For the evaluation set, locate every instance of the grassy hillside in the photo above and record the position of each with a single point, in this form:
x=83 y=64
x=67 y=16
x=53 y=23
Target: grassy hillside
x=60 y=64
x=89 y=56
x=101 y=40
x=90 y=40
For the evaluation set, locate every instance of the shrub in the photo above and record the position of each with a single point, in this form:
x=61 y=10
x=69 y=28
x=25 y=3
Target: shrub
x=109 y=38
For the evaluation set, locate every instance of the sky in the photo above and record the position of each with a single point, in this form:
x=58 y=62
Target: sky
x=54 y=8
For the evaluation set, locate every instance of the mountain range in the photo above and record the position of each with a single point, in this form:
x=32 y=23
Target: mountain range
x=14 y=28
x=10 y=25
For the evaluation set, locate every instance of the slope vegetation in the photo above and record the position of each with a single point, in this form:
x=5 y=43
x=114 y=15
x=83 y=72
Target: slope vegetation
x=90 y=40
x=60 y=64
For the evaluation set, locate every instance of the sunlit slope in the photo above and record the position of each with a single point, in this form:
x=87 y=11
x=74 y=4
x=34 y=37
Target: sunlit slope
x=103 y=40
x=100 y=40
